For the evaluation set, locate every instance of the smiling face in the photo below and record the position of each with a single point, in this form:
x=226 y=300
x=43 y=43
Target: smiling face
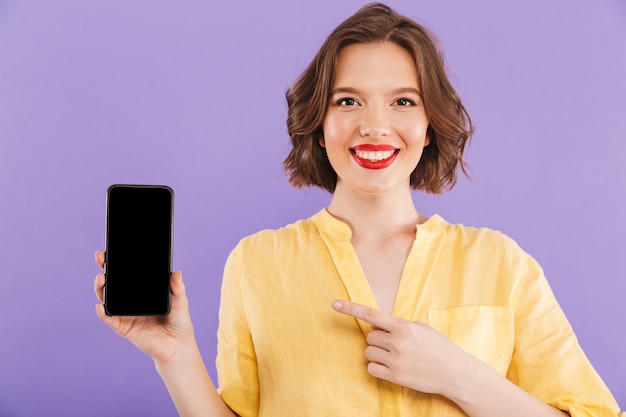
x=375 y=126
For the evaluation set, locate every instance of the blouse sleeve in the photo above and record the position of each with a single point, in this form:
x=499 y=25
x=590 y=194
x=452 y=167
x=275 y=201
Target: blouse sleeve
x=236 y=359
x=547 y=360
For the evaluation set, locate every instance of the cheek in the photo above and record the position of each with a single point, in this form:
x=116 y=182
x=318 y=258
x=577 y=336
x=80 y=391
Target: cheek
x=416 y=132
x=330 y=129
x=336 y=129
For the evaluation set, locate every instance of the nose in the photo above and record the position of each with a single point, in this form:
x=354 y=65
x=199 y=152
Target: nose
x=374 y=123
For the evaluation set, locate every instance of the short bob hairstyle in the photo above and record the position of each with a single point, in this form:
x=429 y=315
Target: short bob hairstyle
x=450 y=127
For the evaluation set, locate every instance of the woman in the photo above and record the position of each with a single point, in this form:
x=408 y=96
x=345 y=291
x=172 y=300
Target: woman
x=429 y=318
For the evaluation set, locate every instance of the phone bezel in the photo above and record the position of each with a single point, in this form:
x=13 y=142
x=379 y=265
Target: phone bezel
x=107 y=306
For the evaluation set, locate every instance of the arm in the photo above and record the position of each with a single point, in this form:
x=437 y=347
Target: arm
x=487 y=393
x=236 y=360
x=547 y=360
x=449 y=371
x=190 y=385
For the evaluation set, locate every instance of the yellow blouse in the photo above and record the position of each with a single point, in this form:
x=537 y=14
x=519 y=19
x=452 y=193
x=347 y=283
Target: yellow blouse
x=283 y=351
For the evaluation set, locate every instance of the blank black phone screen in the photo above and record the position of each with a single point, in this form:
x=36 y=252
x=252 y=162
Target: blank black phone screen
x=138 y=259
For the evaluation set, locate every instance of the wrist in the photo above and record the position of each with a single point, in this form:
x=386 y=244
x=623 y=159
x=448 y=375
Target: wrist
x=486 y=392
x=467 y=378
x=178 y=356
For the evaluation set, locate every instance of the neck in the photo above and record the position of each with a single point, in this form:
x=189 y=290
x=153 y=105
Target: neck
x=375 y=215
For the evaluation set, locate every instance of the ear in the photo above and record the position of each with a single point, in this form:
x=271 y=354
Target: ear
x=427 y=139
x=322 y=142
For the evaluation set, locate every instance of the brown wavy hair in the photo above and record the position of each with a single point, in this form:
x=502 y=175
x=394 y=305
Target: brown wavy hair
x=450 y=127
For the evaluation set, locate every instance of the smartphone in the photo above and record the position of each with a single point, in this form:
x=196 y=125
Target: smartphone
x=138 y=257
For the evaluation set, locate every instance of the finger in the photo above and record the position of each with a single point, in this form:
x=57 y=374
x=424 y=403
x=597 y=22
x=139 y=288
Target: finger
x=100 y=312
x=179 y=296
x=176 y=284
x=376 y=354
x=380 y=338
x=112 y=322
x=100 y=259
x=378 y=370
x=98 y=286
x=368 y=314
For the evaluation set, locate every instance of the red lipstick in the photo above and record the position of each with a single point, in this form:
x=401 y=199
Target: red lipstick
x=374 y=156
x=371 y=147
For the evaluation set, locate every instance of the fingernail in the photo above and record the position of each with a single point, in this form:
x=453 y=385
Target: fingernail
x=337 y=305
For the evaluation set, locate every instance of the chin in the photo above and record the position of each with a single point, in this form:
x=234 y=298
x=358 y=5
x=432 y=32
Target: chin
x=378 y=188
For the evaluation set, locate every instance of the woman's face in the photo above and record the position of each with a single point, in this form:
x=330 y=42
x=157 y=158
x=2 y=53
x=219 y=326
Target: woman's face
x=375 y=126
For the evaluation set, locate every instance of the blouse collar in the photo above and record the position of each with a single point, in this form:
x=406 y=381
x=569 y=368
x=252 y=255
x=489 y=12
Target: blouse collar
x=334 y=228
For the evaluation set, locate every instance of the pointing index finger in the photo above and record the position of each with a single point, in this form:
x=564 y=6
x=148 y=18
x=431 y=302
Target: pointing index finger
x=367 y=314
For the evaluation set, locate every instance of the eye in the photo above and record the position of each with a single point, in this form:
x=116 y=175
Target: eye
x=404 y=102
x=346 y=102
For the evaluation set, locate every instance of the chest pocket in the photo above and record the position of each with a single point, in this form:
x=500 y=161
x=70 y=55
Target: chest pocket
x=484 y=331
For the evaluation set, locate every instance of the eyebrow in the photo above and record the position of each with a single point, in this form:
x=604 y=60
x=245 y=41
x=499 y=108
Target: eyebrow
x=401 y=90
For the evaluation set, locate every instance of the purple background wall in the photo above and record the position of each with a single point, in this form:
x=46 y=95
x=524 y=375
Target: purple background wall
x=191 y=94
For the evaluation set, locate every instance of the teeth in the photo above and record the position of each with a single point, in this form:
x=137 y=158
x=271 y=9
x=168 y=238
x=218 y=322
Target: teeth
x=374 y=156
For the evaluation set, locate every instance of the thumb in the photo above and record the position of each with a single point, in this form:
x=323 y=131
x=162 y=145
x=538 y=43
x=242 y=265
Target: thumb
x=176 y=284
x=179 y=294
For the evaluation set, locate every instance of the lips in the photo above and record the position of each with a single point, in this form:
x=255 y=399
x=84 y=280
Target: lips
x=374 y=156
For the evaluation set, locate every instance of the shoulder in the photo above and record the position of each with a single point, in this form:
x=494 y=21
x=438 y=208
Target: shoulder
x=285 y=236
x=273 y=249
x=468 y=235
x=483 y=241
x=492 y=257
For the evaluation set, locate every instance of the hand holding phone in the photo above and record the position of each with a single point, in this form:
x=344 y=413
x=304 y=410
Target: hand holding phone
x=161 y=337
